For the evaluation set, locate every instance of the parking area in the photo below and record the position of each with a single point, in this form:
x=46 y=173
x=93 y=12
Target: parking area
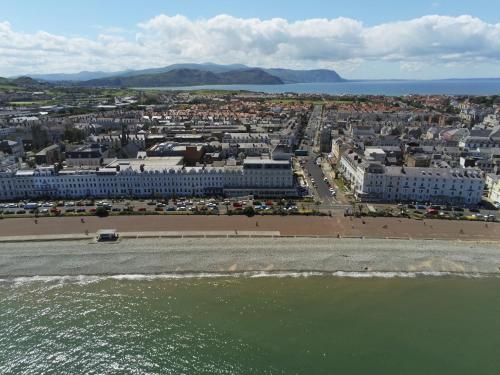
x=427 y=210
x=158 y=206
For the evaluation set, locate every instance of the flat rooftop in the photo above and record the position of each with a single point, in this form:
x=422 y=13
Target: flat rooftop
x=149 y=163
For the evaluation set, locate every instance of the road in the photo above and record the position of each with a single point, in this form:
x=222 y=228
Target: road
x=311 y=168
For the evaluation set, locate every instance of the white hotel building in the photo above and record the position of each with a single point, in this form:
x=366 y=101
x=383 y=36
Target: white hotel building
x=375 y=182
x=152 y=177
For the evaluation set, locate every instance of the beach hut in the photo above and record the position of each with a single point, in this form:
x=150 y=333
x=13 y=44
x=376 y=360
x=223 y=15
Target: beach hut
x=107 y=235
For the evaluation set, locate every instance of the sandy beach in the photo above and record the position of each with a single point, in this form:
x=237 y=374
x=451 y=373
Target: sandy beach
x=59 y=246
x=286 y=226
x=223 y=255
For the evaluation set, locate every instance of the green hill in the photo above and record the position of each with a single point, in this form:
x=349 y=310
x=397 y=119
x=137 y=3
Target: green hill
x=186 y=77
x=26 y=81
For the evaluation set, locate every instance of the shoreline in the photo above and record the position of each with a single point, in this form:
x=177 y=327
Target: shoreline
x=268 y=256
x=85 y=279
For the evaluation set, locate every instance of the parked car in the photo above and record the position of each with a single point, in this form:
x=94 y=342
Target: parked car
x=31 y=206
x=432 y=211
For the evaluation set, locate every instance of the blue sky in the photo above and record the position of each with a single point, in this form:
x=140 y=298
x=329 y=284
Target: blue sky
x=399 y=39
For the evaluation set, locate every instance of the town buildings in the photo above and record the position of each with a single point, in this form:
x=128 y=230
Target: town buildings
x=155 y=177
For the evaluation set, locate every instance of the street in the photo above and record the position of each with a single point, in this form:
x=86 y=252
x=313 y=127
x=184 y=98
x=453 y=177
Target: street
x=320 y=188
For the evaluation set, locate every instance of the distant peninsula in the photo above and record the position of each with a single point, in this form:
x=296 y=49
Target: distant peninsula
x=187 y=77
x=191 y=75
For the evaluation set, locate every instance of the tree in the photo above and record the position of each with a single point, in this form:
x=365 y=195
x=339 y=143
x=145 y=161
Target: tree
x=40 y=137
x=317 y=204
x=249 y=211
x=101 y=212
x=396 y=131
x=73 y=135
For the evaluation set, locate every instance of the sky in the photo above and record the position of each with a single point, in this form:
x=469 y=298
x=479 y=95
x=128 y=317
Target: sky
x=371 y=39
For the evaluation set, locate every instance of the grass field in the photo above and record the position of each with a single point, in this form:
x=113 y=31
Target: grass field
x=34 y=103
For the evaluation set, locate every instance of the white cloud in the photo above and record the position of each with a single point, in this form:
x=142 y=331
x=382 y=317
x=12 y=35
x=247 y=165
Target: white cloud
x=342 y=42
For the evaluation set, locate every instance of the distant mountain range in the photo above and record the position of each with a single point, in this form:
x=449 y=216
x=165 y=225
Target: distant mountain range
x=191 y=75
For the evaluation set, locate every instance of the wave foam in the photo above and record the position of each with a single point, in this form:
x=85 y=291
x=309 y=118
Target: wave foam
x=89 y=279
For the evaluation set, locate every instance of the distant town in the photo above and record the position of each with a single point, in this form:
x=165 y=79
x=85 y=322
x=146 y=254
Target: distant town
x=127 y=150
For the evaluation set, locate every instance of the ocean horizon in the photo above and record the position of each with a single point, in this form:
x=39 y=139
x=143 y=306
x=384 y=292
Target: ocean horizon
x=479 y=86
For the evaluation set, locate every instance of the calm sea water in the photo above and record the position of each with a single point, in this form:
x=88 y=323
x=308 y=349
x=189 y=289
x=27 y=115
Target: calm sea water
x=391 y=88
x=226 y=325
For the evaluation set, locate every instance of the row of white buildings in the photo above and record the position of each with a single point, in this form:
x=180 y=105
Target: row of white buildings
x=152 y=177
x=372 y=181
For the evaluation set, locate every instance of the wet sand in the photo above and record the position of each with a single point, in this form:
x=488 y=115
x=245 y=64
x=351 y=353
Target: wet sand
x=231 y=255
x=287 y=226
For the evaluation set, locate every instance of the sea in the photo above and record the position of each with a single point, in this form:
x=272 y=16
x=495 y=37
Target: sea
x=250 y=324
x=370 y=87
